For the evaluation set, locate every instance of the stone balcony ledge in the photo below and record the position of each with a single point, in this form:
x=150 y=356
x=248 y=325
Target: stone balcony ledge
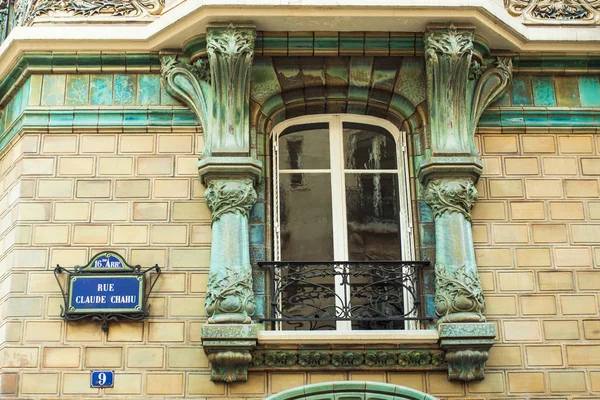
x=408 y=337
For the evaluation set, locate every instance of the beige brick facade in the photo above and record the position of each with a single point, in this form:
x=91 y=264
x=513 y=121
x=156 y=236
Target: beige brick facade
x=67 y=196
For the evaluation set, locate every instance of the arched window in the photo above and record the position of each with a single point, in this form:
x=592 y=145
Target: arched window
x=341 y=194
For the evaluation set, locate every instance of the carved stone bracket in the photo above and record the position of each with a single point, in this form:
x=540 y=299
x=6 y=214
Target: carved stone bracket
x=459 y=88
x=550 y=12
x=466 y=346
x=217 y=90
x=229 y=348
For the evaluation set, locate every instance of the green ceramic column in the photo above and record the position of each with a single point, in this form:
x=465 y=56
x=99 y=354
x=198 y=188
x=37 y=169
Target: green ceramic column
x=217 y=89
x=460 y=85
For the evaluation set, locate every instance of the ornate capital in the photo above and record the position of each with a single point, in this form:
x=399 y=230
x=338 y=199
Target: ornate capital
x=217 y=89
x=460 y=85
x=230 y=196
x=573 y=12
x=451 y=196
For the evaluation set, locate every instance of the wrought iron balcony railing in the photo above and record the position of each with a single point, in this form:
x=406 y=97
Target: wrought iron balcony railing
x=347 y=295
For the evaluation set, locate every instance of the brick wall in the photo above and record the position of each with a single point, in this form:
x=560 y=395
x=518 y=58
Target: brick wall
x=67 y=196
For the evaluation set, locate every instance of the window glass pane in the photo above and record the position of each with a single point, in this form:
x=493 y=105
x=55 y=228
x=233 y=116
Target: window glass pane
x=372 y=216
x=368 y=147
x=304 y=147
x=306 y=229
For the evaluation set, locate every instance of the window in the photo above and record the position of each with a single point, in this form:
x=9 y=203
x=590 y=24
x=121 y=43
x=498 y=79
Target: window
x=341 y=211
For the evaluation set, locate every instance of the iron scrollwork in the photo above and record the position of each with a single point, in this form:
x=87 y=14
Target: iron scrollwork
x=316 y=295
x=90 y=270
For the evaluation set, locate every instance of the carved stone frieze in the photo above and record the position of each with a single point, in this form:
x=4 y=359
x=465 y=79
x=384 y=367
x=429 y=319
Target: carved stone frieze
x=352 y=359
x=574 y=12
x=27 y=10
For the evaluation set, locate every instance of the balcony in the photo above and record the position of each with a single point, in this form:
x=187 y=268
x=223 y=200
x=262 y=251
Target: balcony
x=369 y=295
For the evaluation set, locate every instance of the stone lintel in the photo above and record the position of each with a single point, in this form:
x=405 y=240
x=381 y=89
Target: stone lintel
x=229 y=347
x=466 y=346
x=211 y=168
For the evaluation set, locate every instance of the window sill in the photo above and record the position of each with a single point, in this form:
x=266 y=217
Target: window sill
x=420 y=337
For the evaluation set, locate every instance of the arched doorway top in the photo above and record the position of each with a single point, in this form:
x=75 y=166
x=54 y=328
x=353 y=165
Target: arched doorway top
x=345 y=390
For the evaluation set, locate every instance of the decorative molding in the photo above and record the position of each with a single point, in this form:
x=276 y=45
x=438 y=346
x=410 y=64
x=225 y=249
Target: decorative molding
x=230 y=293
x=322 y=359
x=228 y=348
x=458 y=294
x=230 y=196
x=544 y=12
x=27 y=10
x=451 y=196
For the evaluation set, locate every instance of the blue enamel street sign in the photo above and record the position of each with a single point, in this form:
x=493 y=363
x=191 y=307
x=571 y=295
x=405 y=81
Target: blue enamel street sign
x=114 y=293
x=102 y=379
x=106 y=289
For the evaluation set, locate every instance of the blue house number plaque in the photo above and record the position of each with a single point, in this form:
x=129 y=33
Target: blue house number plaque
x=102 y=379
x=106 y=289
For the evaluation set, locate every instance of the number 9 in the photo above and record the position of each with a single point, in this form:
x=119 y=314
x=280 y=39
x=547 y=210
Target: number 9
x=101 y=379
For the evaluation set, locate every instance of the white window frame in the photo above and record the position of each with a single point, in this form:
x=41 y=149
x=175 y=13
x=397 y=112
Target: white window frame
x=338 y=172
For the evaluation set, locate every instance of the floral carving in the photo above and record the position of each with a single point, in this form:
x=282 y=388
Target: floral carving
x=230 y=293
x=449 y=42
x=555 y=11
x=230 y=196
x=27 y=10
x=230 y=41
x=451 y=196
x=458 y=291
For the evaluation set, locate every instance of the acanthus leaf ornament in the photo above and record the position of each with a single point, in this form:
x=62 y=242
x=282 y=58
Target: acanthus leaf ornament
x=545 y=12
x=451 y=196
x=458 y=292
x=230 y=196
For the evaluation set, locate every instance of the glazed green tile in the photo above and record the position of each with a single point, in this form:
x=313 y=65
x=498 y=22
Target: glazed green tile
x=559 y=117
x=35 y=91
x=166 y=99
x=300 y=43
x=18 y=103
x=113 y=61
x=593 y=65
x=326 y=43
x=135 y=117
x=89 y=61
x=160 y=117
x=9 y=113
x=138 y=62
x=352 y=43
x=275 y=42
x=125 y=89
x=53 y=90
x=490 y=118
x=543 y=91
x=535 y=118
x=567 y=91
x=402 y=43
x=26 y=90
x=101 y=88
x=589 y=91
x=521 y=91
x=110 y=117
x=512 y=118
x=378 y=43
x=148 y=90
x=61 y=118
x=36 y=118
x=66 y=62
x=582 y=118
x=86 y=117
x=78 y=90
x=184 y=118
x=411 y=82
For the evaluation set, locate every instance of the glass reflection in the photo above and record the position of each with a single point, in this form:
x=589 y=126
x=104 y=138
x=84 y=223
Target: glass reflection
x=368 y=147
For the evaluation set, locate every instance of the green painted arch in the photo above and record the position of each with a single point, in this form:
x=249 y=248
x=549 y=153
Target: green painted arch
x=359 y=390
